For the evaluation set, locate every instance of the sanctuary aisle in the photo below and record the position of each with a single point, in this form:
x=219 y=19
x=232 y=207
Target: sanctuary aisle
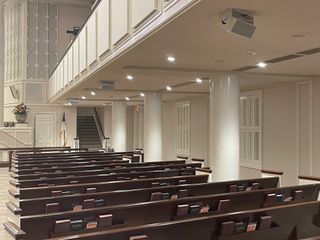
x=4 y=186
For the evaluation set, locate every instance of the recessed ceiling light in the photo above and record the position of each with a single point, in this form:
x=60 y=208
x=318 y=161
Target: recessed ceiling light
x=83 y=97
x=68 y=104
x=262 y=65
x=142 y=94
x=129 y=77
x=169 y=88
x=93 y=93
x=199 y=80
x=171 y=59
x=127 y=98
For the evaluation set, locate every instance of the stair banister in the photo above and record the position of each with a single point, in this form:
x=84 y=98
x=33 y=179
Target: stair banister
x=103 y=138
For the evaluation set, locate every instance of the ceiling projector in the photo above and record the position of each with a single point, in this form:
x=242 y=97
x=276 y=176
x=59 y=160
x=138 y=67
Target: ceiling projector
x=237 y=21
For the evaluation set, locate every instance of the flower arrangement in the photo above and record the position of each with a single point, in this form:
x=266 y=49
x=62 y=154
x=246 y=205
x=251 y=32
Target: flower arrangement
x=20 y=109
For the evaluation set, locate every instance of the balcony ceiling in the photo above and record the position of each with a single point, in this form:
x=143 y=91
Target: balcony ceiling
x=201 y=47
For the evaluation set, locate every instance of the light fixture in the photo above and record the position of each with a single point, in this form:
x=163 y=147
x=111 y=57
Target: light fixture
x=252 y=52
x=93 y=93
x=83 y=98
x=68 y=104
x=129 y=77
x=262 y=65
x=199 y=80
x=171 y=59
x=127 y=98
x=169 y=88
x=142 y=94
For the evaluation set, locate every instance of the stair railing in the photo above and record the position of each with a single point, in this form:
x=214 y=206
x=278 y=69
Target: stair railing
x=103 y=139
x=76 y=142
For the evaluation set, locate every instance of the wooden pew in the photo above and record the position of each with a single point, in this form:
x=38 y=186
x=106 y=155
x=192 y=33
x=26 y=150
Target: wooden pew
x=25 y=156
x=73 y=164
x=105 y=170
x=93 y=164
x=101 y=178
x=38 y=226
x=11 y=151
x=63 y=159
x=66 y=163
x=291 y=222
x=116 y=197
x=40 y=192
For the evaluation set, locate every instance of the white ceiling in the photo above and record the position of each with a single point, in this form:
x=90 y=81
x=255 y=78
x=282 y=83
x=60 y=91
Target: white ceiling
x=202 y=48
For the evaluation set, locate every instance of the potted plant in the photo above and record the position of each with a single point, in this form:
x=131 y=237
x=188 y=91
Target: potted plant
x=20 y=111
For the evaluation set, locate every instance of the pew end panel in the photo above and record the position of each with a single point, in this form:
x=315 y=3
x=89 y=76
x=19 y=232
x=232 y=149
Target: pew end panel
x=14 y=213
x=270 y=173
x=305 y=180
x=13 y=232
x=206 y=172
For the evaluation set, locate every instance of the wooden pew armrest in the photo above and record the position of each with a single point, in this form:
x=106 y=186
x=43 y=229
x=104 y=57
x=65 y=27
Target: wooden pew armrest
x=204 y=170
x=14 y=175
x=14 y=230
x=272 y=172
x=13 y=208
x=14 y=193
x=14 y=183
x=197 y=160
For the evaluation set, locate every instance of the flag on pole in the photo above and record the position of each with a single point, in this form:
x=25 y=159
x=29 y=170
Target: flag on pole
x=63 y=131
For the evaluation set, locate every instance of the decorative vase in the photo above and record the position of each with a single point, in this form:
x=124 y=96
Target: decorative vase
x=21 y=117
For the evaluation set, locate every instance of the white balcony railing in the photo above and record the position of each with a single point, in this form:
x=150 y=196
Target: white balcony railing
x=113 y=27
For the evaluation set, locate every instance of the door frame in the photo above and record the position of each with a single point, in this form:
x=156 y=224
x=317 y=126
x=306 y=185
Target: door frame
x=54 y=126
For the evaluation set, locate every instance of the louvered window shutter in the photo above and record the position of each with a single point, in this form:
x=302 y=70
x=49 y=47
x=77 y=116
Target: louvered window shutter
x=251 y=116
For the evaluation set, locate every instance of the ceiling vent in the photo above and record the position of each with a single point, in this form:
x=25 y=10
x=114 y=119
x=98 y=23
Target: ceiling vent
x=284 y=58
x=106 y=85
x=310 y=51
x=246 y=68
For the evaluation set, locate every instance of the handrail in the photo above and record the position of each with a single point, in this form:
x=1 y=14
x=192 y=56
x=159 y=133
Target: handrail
x=99 y=126
x=311 y=178
x=272 y=172
x=14 y=138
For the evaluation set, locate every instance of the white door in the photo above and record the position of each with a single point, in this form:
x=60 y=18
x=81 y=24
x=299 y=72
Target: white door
x=44 y=136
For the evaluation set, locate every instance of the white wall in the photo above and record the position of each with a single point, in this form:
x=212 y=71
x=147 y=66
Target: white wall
x=107 y=122
x=71 y=119
x=69 y=16
x=168 y=132
x=130 y=128
x=279 y=130
x=280 y=133
x=198 y=128
x=316 y=128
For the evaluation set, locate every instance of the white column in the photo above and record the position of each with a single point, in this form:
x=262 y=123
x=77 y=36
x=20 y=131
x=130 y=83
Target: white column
x=119 y=126
x=1 y=64
x=225 y=127
x=152 y=146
